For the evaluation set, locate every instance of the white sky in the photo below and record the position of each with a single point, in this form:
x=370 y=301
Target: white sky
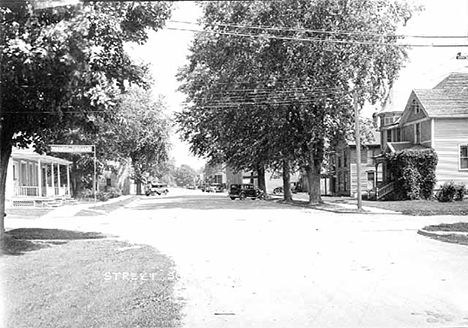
x=166 y=50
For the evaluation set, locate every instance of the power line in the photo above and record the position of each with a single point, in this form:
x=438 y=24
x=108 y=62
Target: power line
x=289 y=29
x=269 y=36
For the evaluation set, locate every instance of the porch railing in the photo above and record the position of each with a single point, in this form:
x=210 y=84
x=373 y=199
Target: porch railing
x=27 y=191
x=385 y=190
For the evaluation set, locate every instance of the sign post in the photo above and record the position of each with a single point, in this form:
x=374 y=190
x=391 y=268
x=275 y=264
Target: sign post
x=78 y=149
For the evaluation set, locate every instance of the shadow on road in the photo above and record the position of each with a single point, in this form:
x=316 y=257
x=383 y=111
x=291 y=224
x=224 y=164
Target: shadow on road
x=204 y=202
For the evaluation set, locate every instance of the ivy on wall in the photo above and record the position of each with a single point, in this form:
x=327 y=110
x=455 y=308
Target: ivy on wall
x=413 y=171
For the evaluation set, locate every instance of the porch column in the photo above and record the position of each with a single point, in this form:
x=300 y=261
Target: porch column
x=58 y=178
x=53 y=178
x=68 y=180
x=39 y=177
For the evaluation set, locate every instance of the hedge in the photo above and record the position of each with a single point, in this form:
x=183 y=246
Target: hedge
x=413 y=171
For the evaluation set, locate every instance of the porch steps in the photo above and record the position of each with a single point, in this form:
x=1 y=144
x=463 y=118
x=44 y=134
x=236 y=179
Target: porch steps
x=385 y=190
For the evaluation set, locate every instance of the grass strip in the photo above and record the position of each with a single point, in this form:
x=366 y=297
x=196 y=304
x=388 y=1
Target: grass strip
x=90 y=283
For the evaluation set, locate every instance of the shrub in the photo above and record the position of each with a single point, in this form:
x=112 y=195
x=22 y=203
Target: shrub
x=461 y=192
x=451 y=191
x=114 y=192
x=413 y=172
x=102 y=196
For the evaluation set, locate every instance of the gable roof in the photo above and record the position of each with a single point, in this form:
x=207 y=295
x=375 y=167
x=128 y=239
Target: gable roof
x=448 y=99
x=455 y=81
x=443 y=103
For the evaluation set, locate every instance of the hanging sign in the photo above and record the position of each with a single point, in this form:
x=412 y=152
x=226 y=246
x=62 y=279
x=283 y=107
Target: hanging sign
x=72 y=148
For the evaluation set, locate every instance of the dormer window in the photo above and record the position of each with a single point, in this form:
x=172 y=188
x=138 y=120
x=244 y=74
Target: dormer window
x=415 y=106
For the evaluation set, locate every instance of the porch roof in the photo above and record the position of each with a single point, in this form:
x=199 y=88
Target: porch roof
x=32 y=156
x=396 y=147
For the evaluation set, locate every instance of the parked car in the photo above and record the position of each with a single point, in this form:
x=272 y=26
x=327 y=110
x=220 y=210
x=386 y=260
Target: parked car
x=294 y=189
x=246 y=190
x=156 y=188
x=215 y=187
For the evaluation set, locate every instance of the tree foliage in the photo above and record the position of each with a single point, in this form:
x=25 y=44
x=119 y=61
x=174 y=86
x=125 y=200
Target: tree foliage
x=274 y=81
x=184 y=175
x=413 y=172
x=63 y=67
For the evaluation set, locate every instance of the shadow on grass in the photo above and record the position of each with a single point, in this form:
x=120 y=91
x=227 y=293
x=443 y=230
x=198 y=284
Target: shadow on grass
x=20 y=241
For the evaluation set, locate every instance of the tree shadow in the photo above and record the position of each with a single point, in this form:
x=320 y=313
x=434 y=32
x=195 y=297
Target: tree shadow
x=204 y=202
x=23 y=240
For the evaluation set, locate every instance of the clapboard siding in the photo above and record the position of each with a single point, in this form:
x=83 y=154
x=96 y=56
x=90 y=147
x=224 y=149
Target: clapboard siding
x=353 y=176
x=448 y=135
x=451 y=128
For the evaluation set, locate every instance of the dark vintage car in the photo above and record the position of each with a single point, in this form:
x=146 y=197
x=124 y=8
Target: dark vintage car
x=243 y=191
x=156 y=189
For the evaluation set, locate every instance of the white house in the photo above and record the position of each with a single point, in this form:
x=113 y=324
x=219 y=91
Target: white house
x=34 y=179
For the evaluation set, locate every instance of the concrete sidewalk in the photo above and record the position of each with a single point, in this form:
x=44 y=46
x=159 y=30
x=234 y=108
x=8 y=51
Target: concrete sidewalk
x=372 y=210
x=65 y=211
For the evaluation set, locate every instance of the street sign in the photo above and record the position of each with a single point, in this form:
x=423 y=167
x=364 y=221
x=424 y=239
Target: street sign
x=72 y=148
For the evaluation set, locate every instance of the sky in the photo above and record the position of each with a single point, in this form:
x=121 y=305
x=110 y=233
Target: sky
x=167 y=50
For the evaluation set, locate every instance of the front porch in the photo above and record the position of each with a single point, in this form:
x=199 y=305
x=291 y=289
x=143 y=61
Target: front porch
x=37 y=180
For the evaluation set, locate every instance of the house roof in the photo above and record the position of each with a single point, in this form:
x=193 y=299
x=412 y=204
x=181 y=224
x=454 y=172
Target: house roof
x=30 y=155
x=455 y=81
x=396 y=147
x=448 y=99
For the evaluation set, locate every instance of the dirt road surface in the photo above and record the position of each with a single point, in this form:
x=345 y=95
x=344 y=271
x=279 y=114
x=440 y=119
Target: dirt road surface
x=258 y=263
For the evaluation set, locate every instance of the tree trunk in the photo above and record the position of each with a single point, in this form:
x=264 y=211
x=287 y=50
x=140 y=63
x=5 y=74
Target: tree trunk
x=287 y=196
x=261 y=178
x=313 y=176
x=138 y=187
x=6 y=149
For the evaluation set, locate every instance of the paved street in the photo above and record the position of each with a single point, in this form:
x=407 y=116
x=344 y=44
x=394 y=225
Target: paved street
x=262 y=264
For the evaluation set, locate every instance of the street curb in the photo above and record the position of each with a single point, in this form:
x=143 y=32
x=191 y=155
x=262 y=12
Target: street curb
x=441 y=233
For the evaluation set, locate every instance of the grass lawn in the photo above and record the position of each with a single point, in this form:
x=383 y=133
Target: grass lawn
x=76 y=282
x=422 y=207
x=448 y=237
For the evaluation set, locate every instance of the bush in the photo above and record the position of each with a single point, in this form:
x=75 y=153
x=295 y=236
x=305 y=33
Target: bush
x=102 y=196
x=451 y=191
x=114 y=192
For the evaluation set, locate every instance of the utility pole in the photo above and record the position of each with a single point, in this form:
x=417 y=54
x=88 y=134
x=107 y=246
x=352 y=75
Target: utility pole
x=358 y=150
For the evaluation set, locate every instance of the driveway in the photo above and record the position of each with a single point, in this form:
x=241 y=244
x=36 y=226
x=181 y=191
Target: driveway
x=262 y=264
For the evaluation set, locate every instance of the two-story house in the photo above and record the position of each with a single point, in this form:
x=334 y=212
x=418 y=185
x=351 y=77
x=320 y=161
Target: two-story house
x=433 y=118
x=345 y=167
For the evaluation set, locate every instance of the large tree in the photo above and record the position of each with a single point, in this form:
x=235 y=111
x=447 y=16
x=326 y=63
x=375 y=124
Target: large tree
x=140 y=132
x=62 y=67
x=281 y=75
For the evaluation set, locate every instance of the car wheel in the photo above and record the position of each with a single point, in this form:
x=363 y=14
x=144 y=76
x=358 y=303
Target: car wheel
x=233 y=198
x=241 y=196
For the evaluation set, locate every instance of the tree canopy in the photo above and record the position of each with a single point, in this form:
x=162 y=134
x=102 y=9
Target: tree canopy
x=272 y=83
x=63 y=67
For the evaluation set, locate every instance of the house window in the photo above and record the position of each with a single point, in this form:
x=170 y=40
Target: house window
x=339 y=160
x=463 y=157
x=345 y=181
x=389 y=135
x=339 y=181
x=396 y=136
x=415 y=106
x=345 y=159
x=417 y=133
